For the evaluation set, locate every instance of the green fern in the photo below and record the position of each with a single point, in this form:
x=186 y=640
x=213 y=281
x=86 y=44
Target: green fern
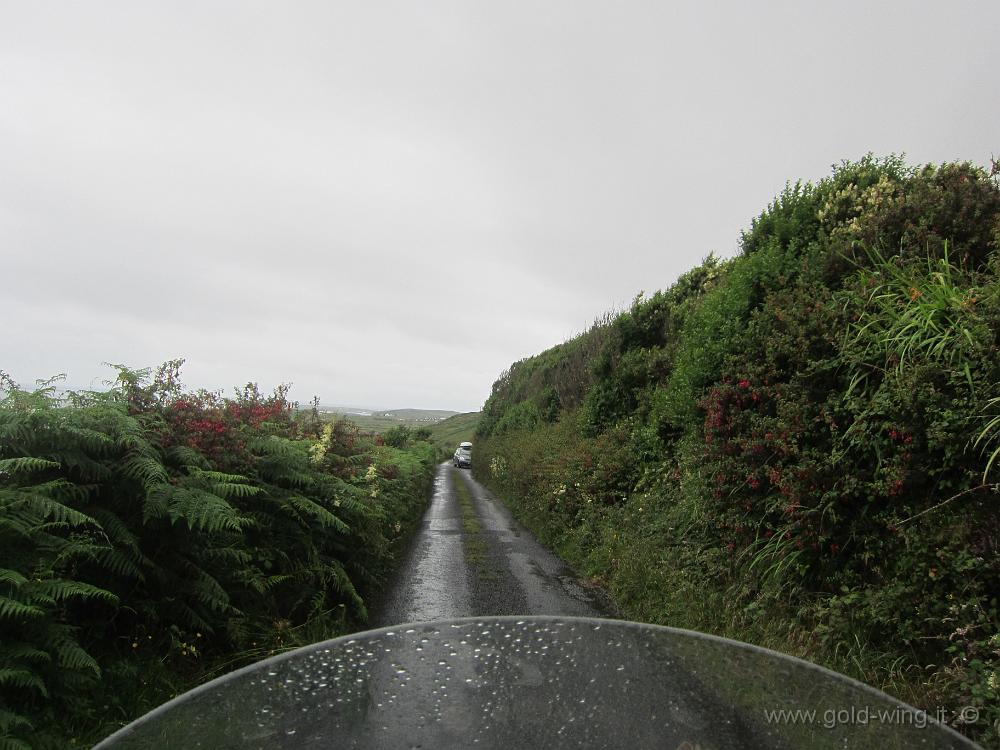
x=40 y=501
x=84 y=468
x=12 y=743
x=60 y=590
x=12 y=609
x=231 y=557
x=70 y=655
x=26 y=465
x=146 y=470
x=10 y=720
x=189 y=617
x=16 y=651
x=302 y=508
x=12 y=577
x=119 y=563
x=224 y=485
x=206 y=589
x=115 y=530
x=89 y=439
x=275 y=446
x=269 y=582
x=22 y=679
x=204 y=511
x=184 y=456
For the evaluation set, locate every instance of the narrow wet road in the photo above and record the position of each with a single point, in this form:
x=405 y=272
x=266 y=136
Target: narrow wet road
x=471 y=558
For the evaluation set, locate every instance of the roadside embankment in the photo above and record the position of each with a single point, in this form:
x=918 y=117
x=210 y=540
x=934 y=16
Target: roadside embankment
x=792 y=447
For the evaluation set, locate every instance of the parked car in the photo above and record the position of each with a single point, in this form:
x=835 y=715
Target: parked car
x=463 y=456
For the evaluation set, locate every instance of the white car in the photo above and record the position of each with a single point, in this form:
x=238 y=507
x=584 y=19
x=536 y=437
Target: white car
x=463 y=456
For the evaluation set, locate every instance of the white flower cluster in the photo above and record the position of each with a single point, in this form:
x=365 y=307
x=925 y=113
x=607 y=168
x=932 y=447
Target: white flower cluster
x=317 y=452
x=498 y=467
x=371 y=477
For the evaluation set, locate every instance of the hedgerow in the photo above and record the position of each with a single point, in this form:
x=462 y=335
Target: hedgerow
x=792 y=446
x=151 y=538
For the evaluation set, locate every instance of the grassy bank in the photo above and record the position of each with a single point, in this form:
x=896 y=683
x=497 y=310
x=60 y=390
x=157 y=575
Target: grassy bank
x=791 y=447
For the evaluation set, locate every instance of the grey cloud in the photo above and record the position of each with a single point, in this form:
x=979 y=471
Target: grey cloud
x=387 y=203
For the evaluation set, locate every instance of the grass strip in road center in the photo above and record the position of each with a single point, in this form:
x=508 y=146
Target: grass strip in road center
x=473 y=544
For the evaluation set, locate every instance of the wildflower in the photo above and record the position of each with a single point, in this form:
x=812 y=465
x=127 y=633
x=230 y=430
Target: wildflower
x=317 y=452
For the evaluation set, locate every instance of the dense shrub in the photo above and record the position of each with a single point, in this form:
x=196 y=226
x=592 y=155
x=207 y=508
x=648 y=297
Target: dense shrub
x=150 y=538
x=783 y=447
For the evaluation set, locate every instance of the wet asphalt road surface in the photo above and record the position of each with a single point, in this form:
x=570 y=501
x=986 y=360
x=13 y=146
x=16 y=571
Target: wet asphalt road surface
x=471 y=558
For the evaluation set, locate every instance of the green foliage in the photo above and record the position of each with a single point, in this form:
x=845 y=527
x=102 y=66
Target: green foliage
x=713 y=328
x=149 y=531
x=919 y=312
x=785 y=447
x=539 y=389
x=398 y=436
x=989 y=434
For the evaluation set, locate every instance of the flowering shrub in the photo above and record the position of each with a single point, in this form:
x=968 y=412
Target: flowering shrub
x=154 y=537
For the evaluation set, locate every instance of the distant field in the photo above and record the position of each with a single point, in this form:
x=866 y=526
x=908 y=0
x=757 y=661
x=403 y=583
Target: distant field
x=448 y=433
x=448 y=428
x=380 y=420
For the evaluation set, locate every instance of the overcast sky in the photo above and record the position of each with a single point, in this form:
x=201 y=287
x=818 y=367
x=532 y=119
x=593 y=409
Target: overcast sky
x=388 y=203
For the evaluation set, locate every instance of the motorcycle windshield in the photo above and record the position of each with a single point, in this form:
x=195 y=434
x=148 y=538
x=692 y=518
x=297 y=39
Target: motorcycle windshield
x=512 y=682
